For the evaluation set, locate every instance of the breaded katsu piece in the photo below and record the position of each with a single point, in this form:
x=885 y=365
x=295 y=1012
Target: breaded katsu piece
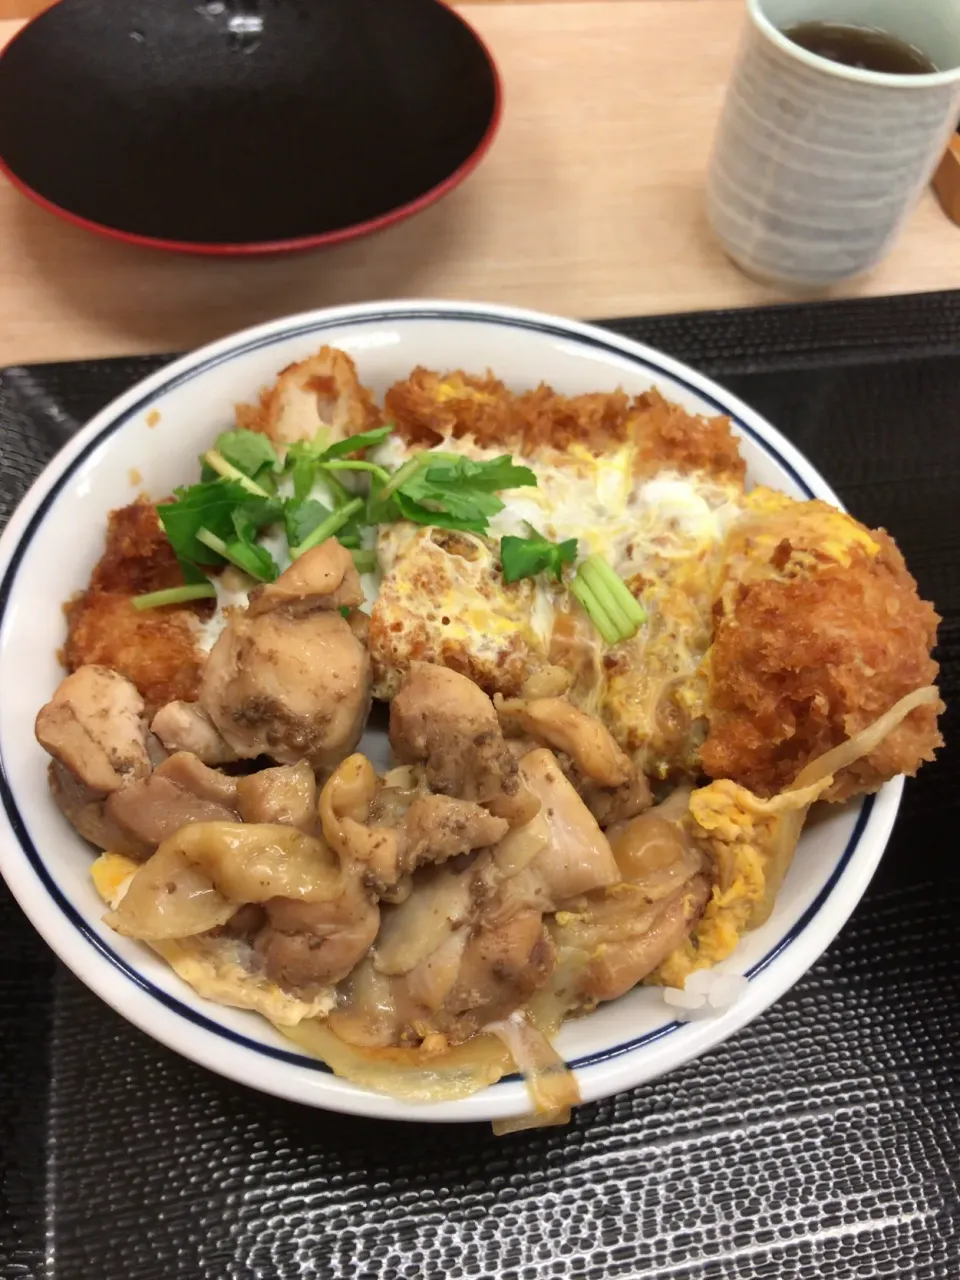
x=156 y=650
x=428 y=408
x=322 y=391
x=819 y=631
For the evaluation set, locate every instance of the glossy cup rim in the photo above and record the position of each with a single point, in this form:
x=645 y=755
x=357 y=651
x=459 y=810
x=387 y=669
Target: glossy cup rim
x=854 y=75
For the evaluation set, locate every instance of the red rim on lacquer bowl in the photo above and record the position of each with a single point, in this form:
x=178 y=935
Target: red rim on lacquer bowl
x=289 y=244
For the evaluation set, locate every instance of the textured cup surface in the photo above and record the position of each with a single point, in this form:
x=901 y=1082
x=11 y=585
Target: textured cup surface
x=816 y=166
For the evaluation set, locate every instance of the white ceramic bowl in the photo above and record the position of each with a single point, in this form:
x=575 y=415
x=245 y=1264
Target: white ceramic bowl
x=55 y=538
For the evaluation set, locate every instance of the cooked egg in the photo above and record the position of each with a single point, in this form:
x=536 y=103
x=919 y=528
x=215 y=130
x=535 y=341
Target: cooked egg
x=663 y=533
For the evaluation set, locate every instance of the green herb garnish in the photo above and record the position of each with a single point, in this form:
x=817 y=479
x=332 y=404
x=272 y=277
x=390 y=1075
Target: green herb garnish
x=526 y=557
x=247 y=457
x=226 y=511
x=364 y=560
x=220 y=519
x=327 y=528
x=308 y=459
x=301 y=518
x=247 y=555
x=449 y=490
x=356 y=444
x=607 y=600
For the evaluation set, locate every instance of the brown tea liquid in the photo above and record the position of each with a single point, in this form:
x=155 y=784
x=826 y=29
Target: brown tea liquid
x=861 y=47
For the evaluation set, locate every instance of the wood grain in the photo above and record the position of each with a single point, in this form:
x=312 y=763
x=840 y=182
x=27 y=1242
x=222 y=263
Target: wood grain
x=22 y=8
x=590 y=203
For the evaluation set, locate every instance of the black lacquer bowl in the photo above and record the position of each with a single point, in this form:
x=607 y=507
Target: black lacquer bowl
x=243 y=126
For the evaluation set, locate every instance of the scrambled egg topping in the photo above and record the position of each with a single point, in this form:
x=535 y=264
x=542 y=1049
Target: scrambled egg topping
x=218 y=968
x=812 y=531
x=751 y=842
x=442 y=596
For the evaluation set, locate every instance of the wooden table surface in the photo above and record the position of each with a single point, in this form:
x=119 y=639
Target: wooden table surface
x=590 y=204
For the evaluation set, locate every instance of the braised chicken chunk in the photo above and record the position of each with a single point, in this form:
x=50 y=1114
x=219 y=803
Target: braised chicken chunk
x=94 y=727
x=444 y=721
x=287 y=678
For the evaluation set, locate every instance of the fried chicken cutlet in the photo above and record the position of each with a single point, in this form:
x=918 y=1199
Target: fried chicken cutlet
x=157 y=649
x=819 y=629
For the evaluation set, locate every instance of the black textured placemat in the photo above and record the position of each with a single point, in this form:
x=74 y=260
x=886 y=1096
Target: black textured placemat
x=822 y=1141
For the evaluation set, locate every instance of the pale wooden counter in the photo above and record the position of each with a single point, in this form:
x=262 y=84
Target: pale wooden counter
x=590 y=204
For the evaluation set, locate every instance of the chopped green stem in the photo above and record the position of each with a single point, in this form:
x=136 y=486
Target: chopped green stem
x=220 y=547
x=175 y=595
x=409 y=468
x=364 y=561
x=217 y=462
x=326 y=528
x=594 y=610
x=607 y=600
x=625 y=597
x=380 y=472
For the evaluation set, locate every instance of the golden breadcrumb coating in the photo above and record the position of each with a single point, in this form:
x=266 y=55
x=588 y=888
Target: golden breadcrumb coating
x=427 y=408
x=808 y=650
x=157 y=649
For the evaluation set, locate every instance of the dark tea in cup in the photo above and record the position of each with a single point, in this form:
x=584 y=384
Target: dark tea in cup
x=861 y=47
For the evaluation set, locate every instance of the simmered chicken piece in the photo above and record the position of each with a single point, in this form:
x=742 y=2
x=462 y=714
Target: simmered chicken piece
x=392 y=830
x=438 y=970
x=310 y=945
x=287 y=678
x=94 y=727
x=441 y=827
x=557 y=723
x=85 y=811
x=179 y=792
x=287 y=794
x=469 y=944
x=632 y=926
x=574 y=855
x=187 y=727
x=443 y=720
x=610 y=805
x=608 y=781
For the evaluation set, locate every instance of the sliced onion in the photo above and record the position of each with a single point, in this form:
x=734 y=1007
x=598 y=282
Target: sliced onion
x=521 y=845
x=813 y=780
x=412 y=1075
x=168 y=897
x=866 y=741
x=552 y=1085
x=414 y=930
x=198 y=877
x=252 y=862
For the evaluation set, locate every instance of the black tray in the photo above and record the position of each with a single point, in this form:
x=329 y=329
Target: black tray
x=822 y=1141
